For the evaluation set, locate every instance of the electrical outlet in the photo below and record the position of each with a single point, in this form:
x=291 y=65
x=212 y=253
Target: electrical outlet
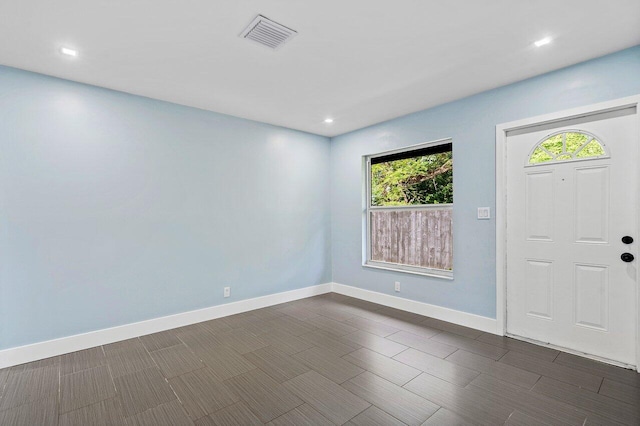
x=227 y=291
x=397 y=286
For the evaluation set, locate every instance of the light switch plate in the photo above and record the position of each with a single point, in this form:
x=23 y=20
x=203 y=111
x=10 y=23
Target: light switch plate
x=484 y=212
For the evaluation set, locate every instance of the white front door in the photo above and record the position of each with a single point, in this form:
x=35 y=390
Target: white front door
x=572 y=195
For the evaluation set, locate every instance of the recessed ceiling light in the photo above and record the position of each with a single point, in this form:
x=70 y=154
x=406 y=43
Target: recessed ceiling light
x=543 y=41
x=69 y=52
x=328 y=120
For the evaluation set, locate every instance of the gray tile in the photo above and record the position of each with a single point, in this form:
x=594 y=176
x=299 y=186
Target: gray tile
x=373 y=416
x=176 y=360
x=42 y=412
x=242 y=341
x=85 y=387
x=452 y=328
x=470 y=345
x=337 y=312
x=374 y=327
x=202 y=393
x=329 y=399
x=127 y=357
x=438 y=367
x=224 y=362
x=161 y=340
x=551 y=369
x=104 y=413
x=331 y=326
x=499 y=370
x=618 y=374
x=363 y=305
x=236 y=414
x=30 y=390
x=82 y=360
x=468 y=403
x=510 y=344
x=215 y=326
x=267 y=398
x=4 y=373
x=142 y=390
x=355 y=306
x=241 y=320
x=192 y=328
x=423 y=344
x=535 y=405
x=199 y=339
x=303 y=415
x=169 y=414
x=375 y=343
x=398 y=402
x=518 y=418
x=589 y=401
x=28 y=385
x=325 y=340
x=387 y=368
x=444 y=417
x=621 y=392
x=413 y=328
x=597 y=420
x=375 y=315
x=399 y=314
x=288 y=324
x=298 y=312
x=328 y=364
x=287 y=343
x=266 y=314
x=277 y=364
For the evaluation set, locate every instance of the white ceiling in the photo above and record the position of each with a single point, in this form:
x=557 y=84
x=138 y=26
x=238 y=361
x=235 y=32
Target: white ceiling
x=358 y=61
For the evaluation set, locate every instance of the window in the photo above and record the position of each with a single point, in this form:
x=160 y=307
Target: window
x=409 y=209
x=567 y=146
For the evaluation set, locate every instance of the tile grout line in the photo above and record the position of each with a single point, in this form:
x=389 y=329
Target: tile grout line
x=165 y=379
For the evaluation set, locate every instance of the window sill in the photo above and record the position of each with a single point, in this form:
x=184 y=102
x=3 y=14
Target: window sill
x=435 y=273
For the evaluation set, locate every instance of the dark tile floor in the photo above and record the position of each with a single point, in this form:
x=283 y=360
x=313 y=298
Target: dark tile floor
x=323 y=360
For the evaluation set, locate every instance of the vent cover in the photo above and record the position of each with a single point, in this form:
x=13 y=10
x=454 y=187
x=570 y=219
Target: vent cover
x=268 y=33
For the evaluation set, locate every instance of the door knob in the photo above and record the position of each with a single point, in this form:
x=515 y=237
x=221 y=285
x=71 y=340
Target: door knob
x=627 y=257
x=627 y=239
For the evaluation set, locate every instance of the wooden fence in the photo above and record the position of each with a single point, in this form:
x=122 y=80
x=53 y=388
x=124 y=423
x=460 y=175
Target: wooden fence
x=413 y=237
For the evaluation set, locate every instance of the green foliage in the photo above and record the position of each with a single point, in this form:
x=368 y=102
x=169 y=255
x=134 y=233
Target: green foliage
x=566 y=146
x=420 y=180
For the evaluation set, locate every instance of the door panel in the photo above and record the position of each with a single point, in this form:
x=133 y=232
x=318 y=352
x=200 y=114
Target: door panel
x=539 y=288
x=566 y=282
x=539 y=216
x=591 y=293
x=592 y=204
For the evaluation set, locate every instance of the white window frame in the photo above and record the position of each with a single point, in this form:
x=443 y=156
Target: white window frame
x=368 y=208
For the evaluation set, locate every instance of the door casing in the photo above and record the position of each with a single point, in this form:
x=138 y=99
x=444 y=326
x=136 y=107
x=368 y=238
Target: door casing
x=501 y=196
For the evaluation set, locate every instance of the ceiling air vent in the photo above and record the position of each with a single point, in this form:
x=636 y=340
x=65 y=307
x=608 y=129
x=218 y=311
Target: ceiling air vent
x=268 y=33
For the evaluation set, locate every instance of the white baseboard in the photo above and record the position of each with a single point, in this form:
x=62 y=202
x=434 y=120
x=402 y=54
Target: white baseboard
x=33 y=352
x=49 y=348
x=477 y=322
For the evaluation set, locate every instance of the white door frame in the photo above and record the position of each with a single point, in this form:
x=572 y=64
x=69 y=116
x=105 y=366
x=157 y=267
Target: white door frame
x=501 y=194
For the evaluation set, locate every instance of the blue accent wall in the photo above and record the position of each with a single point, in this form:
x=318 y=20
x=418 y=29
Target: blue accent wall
x=116 y=208
x=471 y=123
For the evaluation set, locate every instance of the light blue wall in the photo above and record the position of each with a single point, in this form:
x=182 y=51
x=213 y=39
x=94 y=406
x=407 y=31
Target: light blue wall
x=116 y=208
x=471 y=123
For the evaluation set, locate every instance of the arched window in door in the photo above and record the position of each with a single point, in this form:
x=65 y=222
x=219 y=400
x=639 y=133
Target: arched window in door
x=567 y=145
